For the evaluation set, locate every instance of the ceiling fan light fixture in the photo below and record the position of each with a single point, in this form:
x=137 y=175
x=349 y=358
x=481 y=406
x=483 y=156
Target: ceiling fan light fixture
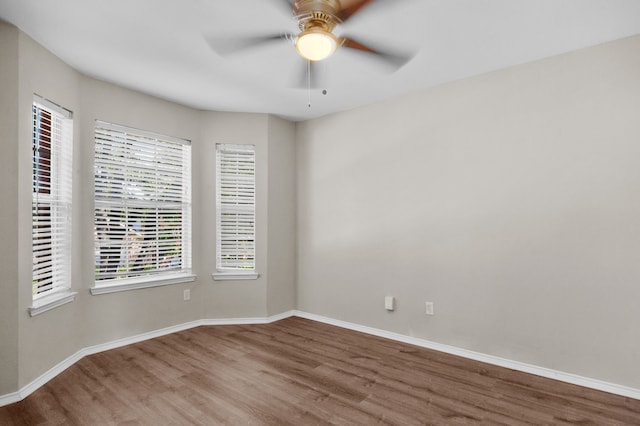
x=316 y=44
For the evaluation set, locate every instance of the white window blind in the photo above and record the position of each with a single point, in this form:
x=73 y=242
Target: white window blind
x=52 y=147
x=235 y=207
x=142 y=205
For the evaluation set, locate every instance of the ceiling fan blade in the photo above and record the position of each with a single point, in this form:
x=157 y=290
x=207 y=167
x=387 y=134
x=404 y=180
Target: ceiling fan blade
x=287 y=6
x=347 y=12
x=230 y=45
x=396 y=59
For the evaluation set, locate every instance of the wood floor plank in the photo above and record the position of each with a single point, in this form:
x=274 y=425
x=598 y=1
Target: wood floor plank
x=301 y=372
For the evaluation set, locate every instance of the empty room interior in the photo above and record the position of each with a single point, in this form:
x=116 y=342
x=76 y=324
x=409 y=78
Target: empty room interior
x=434 y=221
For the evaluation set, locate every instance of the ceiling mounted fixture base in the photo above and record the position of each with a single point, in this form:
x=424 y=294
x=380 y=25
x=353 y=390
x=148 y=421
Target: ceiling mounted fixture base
x=317 y=13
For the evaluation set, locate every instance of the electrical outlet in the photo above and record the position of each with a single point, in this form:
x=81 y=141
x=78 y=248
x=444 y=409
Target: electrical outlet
x=390 y=303
x=186 y=294
x=429 y=308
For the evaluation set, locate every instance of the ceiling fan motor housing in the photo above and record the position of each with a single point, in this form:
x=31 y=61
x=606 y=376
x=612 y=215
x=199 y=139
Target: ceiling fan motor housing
x=321 y=14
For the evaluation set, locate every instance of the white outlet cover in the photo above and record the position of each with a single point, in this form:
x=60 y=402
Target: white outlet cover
x=389 y=303
x=429 y=308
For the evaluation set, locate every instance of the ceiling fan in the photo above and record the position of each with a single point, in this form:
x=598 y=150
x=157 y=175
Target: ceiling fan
x=316 y=41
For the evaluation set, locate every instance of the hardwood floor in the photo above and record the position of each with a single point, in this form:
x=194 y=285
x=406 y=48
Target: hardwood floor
x=300 y=372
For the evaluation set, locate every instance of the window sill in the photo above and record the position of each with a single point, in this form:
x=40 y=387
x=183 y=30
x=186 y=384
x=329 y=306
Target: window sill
x=47 y=303
x=126 y=285
x=234 y=276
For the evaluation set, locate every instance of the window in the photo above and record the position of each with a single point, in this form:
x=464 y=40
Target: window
x=142 y=212
x=51 y=172
x=235 y=208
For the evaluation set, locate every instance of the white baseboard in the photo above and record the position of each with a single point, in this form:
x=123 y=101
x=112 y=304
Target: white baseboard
x=59 y=368
x=239 y=321
x=477 y=356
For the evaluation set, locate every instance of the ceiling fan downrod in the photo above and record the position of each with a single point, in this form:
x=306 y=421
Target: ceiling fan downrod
x=317 y=14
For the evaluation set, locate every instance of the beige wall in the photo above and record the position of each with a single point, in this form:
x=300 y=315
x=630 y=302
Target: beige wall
x=113 y=316
x=60 y=332
x=281 y=238
x=239 y=299
x=31 y=346
x=510 y=200
x=8 y=209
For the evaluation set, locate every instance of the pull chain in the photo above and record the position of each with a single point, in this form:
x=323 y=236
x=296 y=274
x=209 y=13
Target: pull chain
x=309 y=82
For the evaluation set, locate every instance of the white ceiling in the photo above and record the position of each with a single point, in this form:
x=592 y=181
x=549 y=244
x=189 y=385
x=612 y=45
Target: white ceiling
x=160 y=46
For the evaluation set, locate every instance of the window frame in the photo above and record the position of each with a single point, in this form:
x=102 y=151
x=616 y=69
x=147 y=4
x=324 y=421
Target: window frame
x=51 y=192
x=143 y=192
x=241 y=193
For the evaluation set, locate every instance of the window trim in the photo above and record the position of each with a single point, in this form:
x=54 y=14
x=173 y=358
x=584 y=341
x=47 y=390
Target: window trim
x=59 y=293
x=226 y=272
x=156 y=279
x=51 y=301
x=128 y=284
x=234 y=276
